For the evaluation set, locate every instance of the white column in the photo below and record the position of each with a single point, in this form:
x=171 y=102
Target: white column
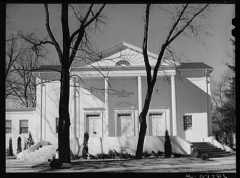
x=75 y=108
x=45 y=112
x=41 y=112
x=207 y=109
x=139 y=98
x=105 y=119
x=173 y=94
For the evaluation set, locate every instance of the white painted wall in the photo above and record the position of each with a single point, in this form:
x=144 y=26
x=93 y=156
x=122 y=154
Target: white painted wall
x=16 y=116
x=192 y=99
x=190 y=93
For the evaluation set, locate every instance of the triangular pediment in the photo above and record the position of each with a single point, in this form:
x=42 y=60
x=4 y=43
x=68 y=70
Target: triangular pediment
x=127 y=55
x=124 y=106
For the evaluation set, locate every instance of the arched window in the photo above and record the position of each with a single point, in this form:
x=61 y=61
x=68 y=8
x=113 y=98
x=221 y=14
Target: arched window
x=122 y=63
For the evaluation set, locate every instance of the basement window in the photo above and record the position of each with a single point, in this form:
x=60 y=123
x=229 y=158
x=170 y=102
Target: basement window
x=187 y=122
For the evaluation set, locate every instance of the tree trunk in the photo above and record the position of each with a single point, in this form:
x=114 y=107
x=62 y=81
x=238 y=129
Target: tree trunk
x=64 y=118
x=143 y=123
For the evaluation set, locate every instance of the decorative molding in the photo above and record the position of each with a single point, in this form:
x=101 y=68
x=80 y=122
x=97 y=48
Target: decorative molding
x=125 y=106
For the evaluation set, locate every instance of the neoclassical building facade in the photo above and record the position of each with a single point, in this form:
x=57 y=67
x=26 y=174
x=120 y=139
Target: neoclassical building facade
x=107 y=96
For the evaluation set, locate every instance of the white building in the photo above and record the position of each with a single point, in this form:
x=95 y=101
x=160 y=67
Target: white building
x=107 y=96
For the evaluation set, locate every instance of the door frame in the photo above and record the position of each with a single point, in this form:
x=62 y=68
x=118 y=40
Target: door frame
x=100 y=112
x=148 y=118
x=129 y=111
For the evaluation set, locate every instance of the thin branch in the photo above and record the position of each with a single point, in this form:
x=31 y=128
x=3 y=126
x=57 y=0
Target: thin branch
x=51 y=35
x=186 y=25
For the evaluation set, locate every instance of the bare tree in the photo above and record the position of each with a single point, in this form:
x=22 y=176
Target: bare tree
x=19 y=81
x=182 y=16
x=72 y=45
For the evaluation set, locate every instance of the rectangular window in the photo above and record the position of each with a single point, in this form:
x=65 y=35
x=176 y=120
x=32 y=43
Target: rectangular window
x=23 y=126
x=187 y=122
x=57 y=124
x=8 y=126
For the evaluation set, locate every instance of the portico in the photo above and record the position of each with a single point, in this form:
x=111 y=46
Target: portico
x=110 y=94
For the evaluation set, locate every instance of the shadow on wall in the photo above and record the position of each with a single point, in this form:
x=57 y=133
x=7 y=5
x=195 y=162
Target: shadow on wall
x=124 y=144
x=190 y=99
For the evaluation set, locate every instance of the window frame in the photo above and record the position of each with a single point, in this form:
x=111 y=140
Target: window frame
x=8 y=128
x=87 y=113
x=186 y=122
x=20 y=127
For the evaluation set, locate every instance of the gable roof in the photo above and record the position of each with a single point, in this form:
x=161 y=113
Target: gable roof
x=114 y=51
x=194 y=65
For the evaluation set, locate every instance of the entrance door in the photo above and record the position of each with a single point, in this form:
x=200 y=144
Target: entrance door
x=157 y=124
x=125 y=124
x=94 y=125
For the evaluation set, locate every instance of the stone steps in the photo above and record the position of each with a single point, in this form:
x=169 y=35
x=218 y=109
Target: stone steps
x=212 y=151
x=42 y=154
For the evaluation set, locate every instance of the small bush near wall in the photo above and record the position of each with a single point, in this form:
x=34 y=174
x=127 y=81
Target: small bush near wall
x=167 y=146
x=10 y=149
x=55 y=164
x=85 y=146
x=29 y=142
x=177 y=155
x=205 y=157
x=19 y=145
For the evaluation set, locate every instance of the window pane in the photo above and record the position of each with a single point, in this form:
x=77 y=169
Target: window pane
x=8 y=130
x=8 y=123
x=23 y=130
x=24 y=123
x=187 y=122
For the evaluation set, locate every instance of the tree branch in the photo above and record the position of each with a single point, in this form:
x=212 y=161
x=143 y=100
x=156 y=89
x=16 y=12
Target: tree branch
x=186 y=25
x=51 y=35
x=66 y=33
x=82 y=24
x=144 y=46
x=176 y=23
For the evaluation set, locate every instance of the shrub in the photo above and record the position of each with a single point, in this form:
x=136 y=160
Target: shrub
x=85 y=145
x=10 y=150
x=160 y=153
x=19 y=145
x=55 y=164
x=205 y=157
x=102 y=156
x=146 y=154
x=111 y=154
x=29 y=142
x=167 y=145
x=177 y=155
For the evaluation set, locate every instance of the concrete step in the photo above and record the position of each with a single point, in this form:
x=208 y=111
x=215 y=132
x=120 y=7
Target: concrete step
x=42 y=154
x=212 y=151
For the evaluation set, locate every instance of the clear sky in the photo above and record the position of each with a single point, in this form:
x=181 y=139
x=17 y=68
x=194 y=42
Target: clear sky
x=125 y=23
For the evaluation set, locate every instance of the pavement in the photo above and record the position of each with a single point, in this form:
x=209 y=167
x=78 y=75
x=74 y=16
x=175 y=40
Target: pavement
x=215 y=165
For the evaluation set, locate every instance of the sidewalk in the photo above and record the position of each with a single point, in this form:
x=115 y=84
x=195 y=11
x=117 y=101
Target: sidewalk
x=14 y=165
x=215 y=165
